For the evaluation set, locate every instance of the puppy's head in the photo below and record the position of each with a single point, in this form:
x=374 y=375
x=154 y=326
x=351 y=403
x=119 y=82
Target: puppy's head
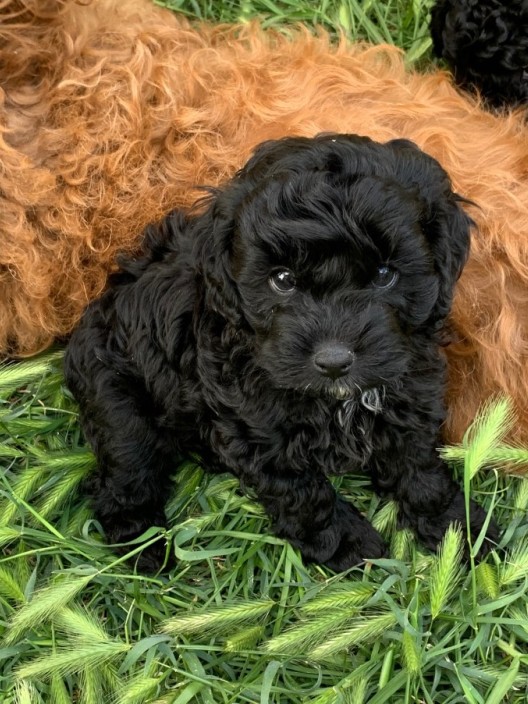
x=485 y=44
x=338 y=255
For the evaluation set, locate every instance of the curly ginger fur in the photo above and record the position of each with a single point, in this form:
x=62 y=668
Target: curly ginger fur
x=112 y=112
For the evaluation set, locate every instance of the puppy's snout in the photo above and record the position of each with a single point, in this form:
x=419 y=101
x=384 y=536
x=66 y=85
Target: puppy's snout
x=333 y=360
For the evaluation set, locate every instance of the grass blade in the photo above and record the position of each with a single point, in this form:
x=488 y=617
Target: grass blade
x=9 y=587
x=217 y=619
x=488 y=429
x=308 y=635
x=515 y=566
x=138 y=690
x=45 y=604
x=504 y=684
x=446 y=572
x=73 y=660
x=411 y=654
x=343 y=597
x=59 y=693
x=244 y=640
x=366 y=628
x=14 y=375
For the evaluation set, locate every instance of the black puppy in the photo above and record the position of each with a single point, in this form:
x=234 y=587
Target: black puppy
x=485 y=43
x=287 y=333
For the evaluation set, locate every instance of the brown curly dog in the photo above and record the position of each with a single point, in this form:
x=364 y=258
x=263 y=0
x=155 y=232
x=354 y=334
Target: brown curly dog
x=112 y=111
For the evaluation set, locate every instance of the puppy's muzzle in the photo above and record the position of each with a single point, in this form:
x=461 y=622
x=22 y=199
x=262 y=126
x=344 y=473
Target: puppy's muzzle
x=333 y=361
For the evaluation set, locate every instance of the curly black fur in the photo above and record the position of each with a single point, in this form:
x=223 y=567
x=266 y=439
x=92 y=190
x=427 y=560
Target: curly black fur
x=287 y=333
x=485 y=43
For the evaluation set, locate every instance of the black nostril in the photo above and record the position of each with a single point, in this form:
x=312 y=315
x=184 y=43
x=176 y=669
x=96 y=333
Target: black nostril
x=333 y=361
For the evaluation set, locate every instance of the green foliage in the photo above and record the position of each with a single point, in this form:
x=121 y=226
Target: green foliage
x=216 y=620
x=45 y=606
x=404 y=23
x=240 y=618
x=446 y=572
x=481 y=442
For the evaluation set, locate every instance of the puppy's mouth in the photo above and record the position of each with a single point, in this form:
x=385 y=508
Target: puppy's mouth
x=335 y=390
x=342 y=392
x=371 y=398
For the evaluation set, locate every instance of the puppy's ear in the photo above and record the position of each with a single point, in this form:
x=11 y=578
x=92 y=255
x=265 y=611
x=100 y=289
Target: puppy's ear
x=448 y=230
x=214 y=242
x=445 y=224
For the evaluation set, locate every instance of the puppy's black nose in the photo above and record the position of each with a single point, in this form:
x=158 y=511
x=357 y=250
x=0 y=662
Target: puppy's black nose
x=333 y=361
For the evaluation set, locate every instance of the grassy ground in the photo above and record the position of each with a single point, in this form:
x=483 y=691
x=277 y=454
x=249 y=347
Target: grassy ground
x=241 y=619
x=401 y=22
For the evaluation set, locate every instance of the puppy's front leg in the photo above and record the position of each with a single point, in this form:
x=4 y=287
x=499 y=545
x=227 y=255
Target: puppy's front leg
x=308 y=513
x=130 y=488
x=134 y=462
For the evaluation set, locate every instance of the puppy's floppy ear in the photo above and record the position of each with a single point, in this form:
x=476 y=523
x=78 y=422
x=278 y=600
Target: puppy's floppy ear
x=445 y=224
x=214 y=240
x=449 y=233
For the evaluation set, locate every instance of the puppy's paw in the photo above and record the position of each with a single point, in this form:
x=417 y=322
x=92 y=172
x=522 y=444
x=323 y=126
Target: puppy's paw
x=431 y=529
x=356 y=549
x=358 y=540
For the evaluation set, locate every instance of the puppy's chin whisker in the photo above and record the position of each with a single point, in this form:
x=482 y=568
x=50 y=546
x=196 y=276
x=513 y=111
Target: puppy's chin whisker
x=346 y=412
x=372 y=399
x=340 y=391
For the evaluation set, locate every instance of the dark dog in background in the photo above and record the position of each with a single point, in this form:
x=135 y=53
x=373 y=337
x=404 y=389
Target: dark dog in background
x=485 y=43
x=288 y=332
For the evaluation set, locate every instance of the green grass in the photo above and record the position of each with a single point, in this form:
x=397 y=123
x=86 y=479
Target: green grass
x=240 y=619
x=404 y=23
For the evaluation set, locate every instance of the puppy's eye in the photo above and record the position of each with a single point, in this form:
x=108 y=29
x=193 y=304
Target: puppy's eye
x=282 y=280
x=385 y=277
